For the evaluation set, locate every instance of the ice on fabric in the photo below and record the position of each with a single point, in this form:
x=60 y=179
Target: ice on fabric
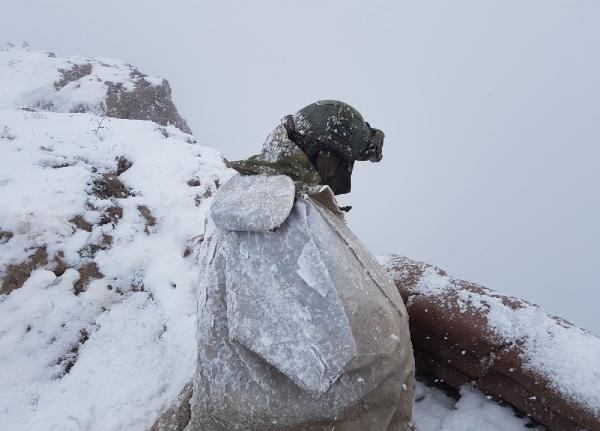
x=257 y=203
x=312 y=269
x=299 y=328
x=295 y=330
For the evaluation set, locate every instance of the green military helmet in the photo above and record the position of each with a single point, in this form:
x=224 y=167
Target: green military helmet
x=335 y=126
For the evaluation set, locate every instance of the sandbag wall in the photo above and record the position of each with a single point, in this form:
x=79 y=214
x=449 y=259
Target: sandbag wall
x=463 y=333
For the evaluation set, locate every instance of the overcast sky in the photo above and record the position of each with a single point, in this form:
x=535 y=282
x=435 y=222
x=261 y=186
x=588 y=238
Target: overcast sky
x=491 y=111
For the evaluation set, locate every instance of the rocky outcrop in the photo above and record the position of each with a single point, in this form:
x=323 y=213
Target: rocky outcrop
x=463 y=333
x=144 y=102
x=77 y=84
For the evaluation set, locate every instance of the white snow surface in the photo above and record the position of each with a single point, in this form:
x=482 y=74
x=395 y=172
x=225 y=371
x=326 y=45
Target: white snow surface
x=435 y=411
x=141 y=345
x=139 y=317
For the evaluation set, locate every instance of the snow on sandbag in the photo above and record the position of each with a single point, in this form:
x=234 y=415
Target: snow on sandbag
x=509 y=348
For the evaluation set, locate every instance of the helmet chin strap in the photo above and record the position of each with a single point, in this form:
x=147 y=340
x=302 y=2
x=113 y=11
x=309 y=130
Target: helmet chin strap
x=334 y=171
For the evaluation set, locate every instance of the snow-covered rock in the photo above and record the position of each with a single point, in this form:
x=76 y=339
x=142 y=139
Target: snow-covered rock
x=41 y=81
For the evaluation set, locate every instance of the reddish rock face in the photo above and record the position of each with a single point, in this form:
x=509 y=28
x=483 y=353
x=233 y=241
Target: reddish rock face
x=463 y=333
x=147 y=100
x=144 y=102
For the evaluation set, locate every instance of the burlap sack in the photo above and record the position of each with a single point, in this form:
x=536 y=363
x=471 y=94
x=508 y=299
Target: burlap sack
x=299 y=327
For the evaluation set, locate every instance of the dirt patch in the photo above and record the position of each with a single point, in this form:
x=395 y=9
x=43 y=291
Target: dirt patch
x=5 y=236
x=108 y=186
x=209 y=190
x=86 y=273
x=122 y=165
x=90 y=250
x=150 y=219
x=59 y=265
x=137 y=285
x=111 y=215
x=68 y=360
x=78 y=71
x=17 y=274
x=80 y=223
x=60 y=165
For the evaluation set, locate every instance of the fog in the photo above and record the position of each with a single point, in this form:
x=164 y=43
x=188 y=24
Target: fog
x=491 y=111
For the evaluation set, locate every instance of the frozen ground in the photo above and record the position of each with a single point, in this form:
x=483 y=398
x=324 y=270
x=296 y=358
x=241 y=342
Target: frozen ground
x=101 y=334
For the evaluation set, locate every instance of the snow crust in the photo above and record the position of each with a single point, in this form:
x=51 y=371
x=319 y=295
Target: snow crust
x=289 y=313
x=257 y=203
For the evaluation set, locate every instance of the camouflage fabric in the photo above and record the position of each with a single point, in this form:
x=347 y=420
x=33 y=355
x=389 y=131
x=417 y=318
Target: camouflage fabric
x=280 y=156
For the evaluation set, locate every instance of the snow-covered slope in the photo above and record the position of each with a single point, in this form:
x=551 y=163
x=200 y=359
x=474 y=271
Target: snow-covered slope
x=100 y=335
x=97 y=299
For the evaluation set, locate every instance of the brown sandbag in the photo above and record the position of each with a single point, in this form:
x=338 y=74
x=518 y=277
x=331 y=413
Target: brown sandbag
x=465 y=333
x=427 y=364
x=509 y=363
x=509 y=391
x=455 y=355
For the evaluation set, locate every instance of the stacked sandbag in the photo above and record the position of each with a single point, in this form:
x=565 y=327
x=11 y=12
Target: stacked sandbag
x=463 y=333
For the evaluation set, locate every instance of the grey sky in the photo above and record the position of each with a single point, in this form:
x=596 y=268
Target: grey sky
x=491 y=111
